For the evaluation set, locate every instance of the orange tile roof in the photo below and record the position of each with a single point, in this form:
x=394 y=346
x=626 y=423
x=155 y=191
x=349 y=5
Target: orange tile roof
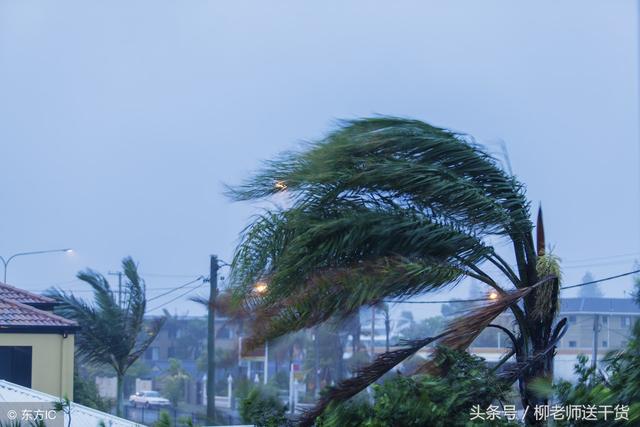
x=25 y=297
x=15 y=316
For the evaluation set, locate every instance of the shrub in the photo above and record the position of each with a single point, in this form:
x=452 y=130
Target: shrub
x=424 y=400
x=164 y=420
x=263 y=408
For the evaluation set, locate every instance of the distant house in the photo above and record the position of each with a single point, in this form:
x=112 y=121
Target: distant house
x=603 y=324
x=36 y=346
x=613 y=318
x=185 y=339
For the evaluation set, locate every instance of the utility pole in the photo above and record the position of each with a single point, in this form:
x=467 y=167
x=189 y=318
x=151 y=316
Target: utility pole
x=373 y=333
x=316 y=361
x=596 y=329
x=265 y=377
x=119 y=274
x=211 y=340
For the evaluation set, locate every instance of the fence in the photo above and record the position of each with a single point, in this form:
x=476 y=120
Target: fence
x=149 y=416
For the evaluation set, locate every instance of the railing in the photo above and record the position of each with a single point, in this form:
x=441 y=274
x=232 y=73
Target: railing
x=148 y=416
x=224 y=402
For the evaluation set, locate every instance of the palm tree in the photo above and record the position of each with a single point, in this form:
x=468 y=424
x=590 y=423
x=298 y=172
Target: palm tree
x=387 y=209
x=111 y=334
x=406 y=320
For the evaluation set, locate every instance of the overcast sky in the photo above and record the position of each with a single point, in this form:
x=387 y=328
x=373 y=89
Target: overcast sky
x=121 y=120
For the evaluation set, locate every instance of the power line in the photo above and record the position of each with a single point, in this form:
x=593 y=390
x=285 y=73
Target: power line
x=176 y=298
x=166 y=288
x=601 y=280
x=577 y=261
x=175 y=289
x=600 y=264
x=167 y=275
x=488 y=299
x=438 y=302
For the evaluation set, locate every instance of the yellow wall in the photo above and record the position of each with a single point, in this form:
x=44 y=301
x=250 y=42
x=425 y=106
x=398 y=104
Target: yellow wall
x=52 y=361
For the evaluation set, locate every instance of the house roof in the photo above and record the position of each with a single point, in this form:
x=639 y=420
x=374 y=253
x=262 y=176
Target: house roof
x=622 y=306
x=81 y=416
x=18 y=317
x=25 y=297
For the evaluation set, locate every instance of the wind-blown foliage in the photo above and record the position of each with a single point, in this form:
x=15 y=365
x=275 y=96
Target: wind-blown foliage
x=385 y=208
x=425 y=400
x=110 y=333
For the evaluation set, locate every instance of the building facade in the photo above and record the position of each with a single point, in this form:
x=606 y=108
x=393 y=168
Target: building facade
x=36 y=346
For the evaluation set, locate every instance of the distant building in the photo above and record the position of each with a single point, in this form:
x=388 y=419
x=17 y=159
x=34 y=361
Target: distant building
x=610 y=320
x=614 y=318
x=602 y=323
x=36 y=346
x=185 y=339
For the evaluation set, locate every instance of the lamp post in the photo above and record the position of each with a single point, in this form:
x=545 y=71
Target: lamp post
x=6 y=262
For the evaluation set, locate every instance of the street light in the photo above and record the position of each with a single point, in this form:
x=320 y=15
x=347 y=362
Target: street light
x=260 y=288
x=280 y=185
x=6 y=262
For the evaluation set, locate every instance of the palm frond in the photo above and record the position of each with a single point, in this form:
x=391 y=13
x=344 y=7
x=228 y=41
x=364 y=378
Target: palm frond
x=110 y=333
x=340 y=292
x=462 y=331
x=408 y=160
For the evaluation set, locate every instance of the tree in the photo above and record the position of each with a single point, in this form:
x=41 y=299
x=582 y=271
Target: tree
x=174 y=382
x=406 y=320
x=589 y=291
x=389 y=208
x=85 y=392
x=164 y=420
x=424 y=328
x=425 y=400
x=111 y=334
x=263 y=408
x=616 y=384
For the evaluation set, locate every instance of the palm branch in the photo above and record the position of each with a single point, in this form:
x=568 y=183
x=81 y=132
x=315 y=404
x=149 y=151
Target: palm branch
x=386 y=208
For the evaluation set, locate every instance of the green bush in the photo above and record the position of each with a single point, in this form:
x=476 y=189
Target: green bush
x=352 y=413
x=85 y=392
x=263 y=408
x=424 y=400
x=164 y=420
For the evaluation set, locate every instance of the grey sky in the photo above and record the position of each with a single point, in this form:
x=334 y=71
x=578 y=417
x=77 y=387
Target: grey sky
x=120 y=120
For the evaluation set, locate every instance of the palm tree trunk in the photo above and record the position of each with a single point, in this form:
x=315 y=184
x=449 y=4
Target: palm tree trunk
x=529 y=398
x=119 y=394
x=540 y=330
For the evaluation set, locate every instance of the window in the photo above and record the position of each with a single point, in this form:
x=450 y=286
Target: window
x=604 y=320
x=15 y=365
x=625 y=321
x=572 y=319
x=223 y=333
x=605 y=343
x=152 y=353
x=573 y=344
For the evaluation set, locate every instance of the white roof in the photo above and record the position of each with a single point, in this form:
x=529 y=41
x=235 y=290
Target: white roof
x=81 y=416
